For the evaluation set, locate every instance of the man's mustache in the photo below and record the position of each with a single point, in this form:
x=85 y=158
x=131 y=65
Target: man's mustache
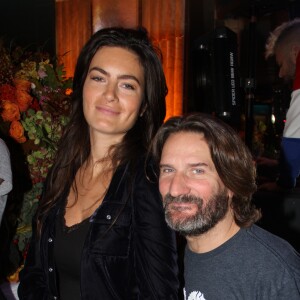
x=181 y=199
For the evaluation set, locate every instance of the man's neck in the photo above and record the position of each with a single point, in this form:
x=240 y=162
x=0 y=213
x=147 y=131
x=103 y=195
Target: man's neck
x=215 y=237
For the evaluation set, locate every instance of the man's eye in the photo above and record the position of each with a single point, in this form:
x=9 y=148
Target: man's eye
x=198 y=171
x=166 y=170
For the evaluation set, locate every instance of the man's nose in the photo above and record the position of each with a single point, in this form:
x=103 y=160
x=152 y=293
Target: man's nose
x=179 y=185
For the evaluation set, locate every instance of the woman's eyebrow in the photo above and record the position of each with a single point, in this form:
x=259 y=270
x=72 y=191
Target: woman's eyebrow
x=123 y=76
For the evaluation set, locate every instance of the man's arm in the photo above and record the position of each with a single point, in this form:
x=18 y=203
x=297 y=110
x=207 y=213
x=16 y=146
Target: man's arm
x=5 y=170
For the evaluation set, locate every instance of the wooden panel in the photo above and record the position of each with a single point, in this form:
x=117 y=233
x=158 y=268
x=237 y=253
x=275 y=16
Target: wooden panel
x=107 y=13
x=165 y=22
x=73 y=29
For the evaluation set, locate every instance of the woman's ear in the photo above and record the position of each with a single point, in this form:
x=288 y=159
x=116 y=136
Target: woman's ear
x=143 y=109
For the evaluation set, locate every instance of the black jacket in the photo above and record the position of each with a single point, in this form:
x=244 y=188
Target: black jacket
x=129 y=252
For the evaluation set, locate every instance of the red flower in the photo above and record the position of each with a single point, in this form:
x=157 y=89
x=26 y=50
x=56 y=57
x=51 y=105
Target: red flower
x=7 y=92
x=35 y=105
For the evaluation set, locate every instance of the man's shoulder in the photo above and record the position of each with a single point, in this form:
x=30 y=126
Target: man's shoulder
x=273 y=248
x=259 y=233
x=253 y=257
x=267 y=239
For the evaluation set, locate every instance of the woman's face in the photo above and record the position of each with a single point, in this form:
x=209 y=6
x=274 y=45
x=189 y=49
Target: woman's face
x=113 y=92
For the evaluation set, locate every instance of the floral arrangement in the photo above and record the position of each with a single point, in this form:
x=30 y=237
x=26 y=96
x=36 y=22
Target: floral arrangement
x=34 y=109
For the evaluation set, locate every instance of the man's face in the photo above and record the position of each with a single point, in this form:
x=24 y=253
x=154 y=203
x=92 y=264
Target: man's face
x=286 y=64
x=194 y=197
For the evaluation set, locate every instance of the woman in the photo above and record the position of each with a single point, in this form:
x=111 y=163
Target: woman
x=99 y=231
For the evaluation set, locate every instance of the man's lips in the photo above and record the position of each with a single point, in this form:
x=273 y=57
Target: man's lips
x=181 y=206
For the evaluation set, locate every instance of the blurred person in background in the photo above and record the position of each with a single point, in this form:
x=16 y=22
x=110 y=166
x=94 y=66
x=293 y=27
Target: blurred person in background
x=284 y=44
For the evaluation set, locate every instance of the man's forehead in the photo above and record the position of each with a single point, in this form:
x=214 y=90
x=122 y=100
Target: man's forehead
x=186 y=143
x=186 y=133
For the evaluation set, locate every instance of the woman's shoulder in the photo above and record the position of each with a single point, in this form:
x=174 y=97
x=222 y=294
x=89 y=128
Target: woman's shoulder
x=145 y=170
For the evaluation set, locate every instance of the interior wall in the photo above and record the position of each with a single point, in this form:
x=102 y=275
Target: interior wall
x=73 y=23
x=107 y=13
x=164 y=20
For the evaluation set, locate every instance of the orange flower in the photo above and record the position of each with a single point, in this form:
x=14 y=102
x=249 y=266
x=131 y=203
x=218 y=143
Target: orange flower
x=22 y=84
x=16 y=131
x=15 y=277
x=68 y=91
x=23 y=99
x=10 y=111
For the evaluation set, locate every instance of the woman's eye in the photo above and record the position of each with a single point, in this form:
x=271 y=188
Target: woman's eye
x=128 y=86
x=97 y=78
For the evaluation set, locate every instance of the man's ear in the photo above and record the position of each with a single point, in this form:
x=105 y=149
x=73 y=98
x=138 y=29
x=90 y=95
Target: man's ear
x=230 y=194
x=295 y=51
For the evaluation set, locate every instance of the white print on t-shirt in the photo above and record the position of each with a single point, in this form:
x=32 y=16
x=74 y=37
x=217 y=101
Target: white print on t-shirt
x=193 y=295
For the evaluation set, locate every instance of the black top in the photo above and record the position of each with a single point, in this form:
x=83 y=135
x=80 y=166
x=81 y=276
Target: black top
x=67 y=252
x=129 y=251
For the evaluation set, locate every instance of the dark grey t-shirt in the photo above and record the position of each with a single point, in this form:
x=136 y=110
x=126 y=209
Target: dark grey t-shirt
x=254 y=264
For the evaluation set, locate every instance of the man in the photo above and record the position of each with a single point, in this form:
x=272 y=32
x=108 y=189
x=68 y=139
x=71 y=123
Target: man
x=284 y=44
x=5 y=176
x=207 y=178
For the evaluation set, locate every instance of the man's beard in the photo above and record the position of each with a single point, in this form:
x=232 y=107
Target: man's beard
x=203 y=220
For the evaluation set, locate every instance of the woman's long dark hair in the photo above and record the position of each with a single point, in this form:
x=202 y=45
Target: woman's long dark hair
x=74 y=147
x=232 y=159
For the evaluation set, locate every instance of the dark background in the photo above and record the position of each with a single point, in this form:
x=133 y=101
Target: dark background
x=28 y=23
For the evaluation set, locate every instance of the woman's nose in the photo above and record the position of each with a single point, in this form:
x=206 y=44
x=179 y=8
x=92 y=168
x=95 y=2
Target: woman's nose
x=110 y=93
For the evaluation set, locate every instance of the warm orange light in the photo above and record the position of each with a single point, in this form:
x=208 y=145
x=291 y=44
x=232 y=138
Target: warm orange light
x=165 y=22
x=76 y=20
x=73 y=29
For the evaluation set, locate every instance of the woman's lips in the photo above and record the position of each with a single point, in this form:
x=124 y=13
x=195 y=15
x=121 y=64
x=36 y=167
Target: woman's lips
x=107 y=110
